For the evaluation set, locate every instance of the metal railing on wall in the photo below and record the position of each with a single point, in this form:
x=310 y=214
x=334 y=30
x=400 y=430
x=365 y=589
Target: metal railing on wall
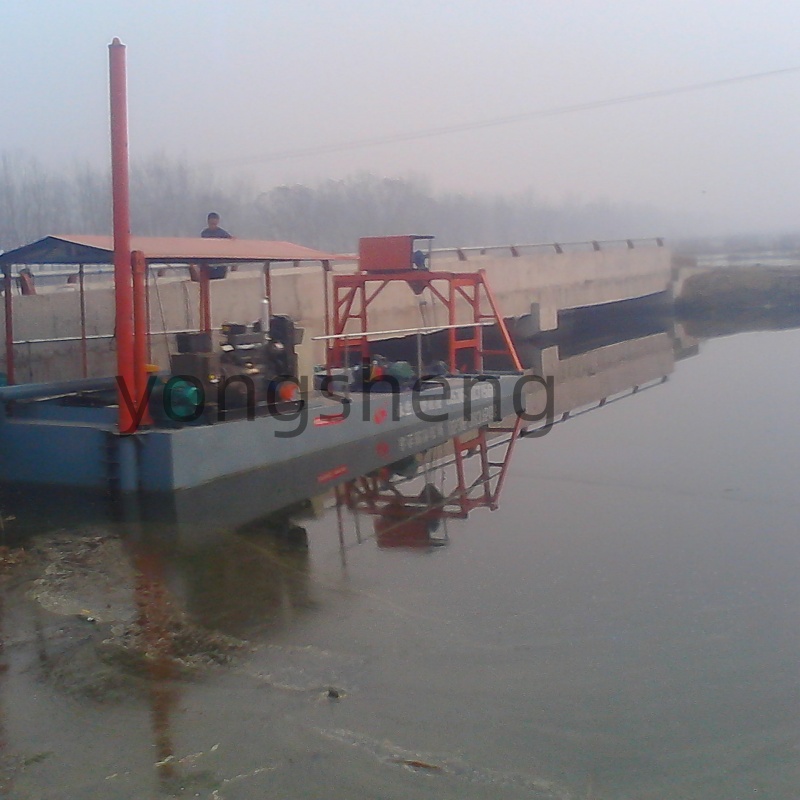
x=53 y=276
x=518 y=250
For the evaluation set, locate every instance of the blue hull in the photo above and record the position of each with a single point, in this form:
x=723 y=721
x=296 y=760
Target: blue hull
x=45 y=443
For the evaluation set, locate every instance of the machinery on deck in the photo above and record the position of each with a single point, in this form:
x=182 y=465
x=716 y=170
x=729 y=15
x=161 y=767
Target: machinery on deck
x=253 y=370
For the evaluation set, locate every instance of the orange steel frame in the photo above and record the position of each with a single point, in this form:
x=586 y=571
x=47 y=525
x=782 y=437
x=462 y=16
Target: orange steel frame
x=353 y=295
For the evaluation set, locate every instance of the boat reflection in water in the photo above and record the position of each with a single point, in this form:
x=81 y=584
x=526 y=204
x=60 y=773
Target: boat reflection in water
x=410 y=499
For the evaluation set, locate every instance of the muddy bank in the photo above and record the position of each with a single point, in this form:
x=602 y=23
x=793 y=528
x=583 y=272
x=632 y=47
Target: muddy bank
x=724 y=301
x=741 y=289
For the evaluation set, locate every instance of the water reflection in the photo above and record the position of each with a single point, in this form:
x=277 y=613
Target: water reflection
x=156 y=647
x=409 y=499
x=269 y=558
x=217 y=637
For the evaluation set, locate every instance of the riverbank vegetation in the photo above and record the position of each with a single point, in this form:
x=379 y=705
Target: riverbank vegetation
x=730 y=300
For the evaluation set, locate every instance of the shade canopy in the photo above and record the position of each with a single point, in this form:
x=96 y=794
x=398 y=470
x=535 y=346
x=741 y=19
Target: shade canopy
x=159 y=250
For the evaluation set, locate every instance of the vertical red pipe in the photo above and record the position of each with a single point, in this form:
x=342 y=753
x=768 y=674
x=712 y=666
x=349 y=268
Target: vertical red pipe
x=123 y=286
x=139 y=269
x=9 y=311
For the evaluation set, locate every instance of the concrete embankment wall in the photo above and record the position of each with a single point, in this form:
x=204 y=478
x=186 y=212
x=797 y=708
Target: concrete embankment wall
x=542 y=282
x=532 y=282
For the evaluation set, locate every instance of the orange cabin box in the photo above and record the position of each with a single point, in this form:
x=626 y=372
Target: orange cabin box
x=387 y=253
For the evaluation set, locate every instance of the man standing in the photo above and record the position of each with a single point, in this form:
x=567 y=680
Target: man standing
x=213 y=231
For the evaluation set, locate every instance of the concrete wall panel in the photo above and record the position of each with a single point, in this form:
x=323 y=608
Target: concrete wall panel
x=542 y=281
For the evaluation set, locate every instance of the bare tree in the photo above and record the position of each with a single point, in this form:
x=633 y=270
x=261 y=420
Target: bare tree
x=172 y=197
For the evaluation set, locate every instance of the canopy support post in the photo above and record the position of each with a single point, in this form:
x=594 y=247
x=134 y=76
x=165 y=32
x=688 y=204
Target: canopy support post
x=9 y=312
x=267 y=281
x=84 y=354
x=147 y=311
x=139 y=268
x=205 y=298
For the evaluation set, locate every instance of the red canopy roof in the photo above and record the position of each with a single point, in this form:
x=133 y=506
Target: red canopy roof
x=162 y=250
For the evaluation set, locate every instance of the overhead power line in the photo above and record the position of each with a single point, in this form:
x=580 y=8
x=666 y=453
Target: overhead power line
x=356 y=144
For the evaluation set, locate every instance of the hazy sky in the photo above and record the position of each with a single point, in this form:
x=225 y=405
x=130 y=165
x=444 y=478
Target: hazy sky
x=228 y=80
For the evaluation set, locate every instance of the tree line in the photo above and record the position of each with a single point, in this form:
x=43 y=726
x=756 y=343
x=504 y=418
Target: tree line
x=171 y=197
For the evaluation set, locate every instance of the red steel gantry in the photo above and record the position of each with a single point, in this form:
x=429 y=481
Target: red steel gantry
x=387 y=259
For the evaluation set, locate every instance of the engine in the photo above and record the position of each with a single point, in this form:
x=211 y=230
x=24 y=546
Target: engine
x=245 y=375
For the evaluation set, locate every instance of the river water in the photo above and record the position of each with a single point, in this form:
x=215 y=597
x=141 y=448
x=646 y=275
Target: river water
x=624 y=624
